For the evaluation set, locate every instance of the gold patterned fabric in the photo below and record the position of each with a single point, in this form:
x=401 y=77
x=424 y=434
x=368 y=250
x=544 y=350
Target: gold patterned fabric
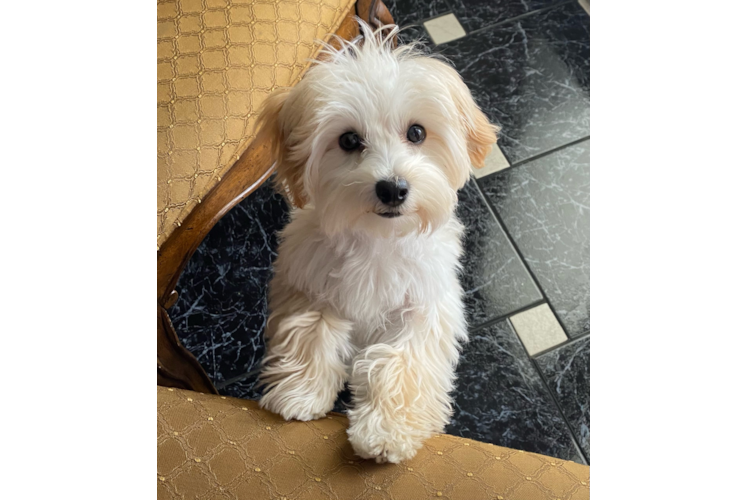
x=220 y=447
x=217 y=61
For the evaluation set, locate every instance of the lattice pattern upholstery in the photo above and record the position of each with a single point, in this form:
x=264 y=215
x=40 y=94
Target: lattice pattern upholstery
x=219 y=447
x=217 y=61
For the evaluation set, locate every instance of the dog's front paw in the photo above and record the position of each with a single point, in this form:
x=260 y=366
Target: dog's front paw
x=302 y=407
x=373 y=438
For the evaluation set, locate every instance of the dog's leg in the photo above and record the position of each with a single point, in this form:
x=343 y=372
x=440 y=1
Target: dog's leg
x=305 y=365
x=401 y=389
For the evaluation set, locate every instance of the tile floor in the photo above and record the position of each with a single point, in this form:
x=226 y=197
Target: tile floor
x=523 y=381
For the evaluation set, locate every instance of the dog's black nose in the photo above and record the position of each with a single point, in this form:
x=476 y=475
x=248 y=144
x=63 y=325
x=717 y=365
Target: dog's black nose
x=392 y=193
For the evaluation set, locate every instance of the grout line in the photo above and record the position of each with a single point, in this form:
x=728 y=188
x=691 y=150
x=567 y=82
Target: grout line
x=569 y=342
x=233 y=380
x=560 y=411
x=213 y=357
x=442 y=14
x=499 y=319
x=522 y=259
x=534 y=157
x=521 y=16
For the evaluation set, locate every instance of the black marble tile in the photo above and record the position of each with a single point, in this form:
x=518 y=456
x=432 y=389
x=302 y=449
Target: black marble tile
x=567 y=371
x=416 y=33
x=494 y=278
x=477 y=14
x=545 y=205
x=246 y=388
x=406 y=12
x=531 y=77
x=500 y=398
x=221 y=311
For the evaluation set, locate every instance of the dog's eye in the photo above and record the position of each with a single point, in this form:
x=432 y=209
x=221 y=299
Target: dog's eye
x=350 y=141
x=416 y=134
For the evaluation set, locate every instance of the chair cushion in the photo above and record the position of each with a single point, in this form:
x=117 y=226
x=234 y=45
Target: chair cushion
x=220 y=447
x=217 y=61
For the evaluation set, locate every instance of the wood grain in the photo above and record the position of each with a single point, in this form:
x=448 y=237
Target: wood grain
x=177 y=367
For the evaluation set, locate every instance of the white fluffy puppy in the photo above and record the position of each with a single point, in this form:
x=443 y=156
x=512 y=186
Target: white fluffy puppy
x=371 y=148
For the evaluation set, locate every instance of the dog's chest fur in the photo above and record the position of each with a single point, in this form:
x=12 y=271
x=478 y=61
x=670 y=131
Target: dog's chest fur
x=369 y=280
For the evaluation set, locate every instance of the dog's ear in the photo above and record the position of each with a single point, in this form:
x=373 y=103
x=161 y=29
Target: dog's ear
x=481 y=134
x=272 y=127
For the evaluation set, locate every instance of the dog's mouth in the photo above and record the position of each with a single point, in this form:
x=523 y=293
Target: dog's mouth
x=389 y=215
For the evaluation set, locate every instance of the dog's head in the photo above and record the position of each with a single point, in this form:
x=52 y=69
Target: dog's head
x=376 y=138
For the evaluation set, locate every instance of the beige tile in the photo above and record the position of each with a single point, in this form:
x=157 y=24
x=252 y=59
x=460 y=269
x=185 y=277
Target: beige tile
x=495 y=161
x=585 y=5
x=444 y=29
x=538 y=329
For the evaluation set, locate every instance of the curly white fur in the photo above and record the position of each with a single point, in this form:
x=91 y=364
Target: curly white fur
x=358 y=297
